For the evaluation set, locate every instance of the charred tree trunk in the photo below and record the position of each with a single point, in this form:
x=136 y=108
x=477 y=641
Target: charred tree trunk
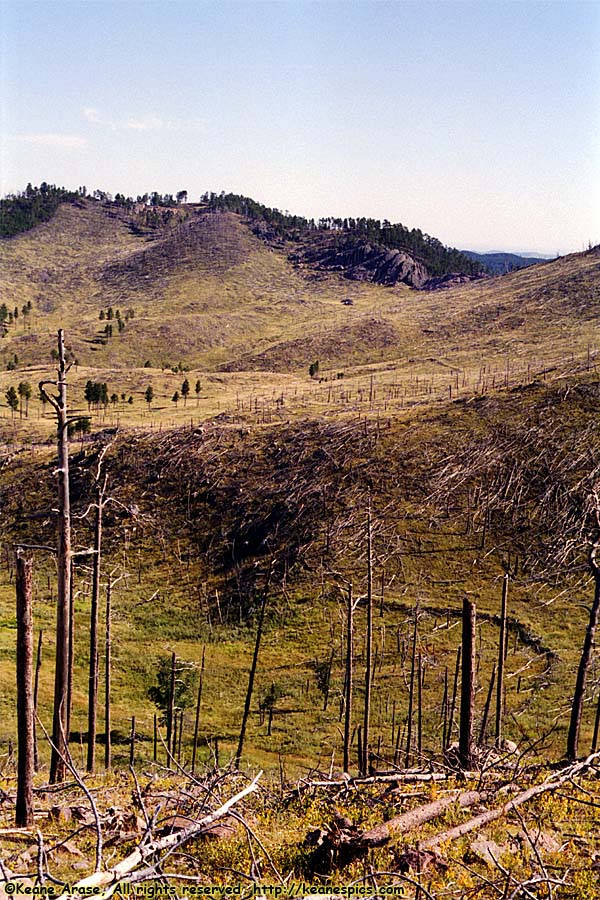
x=369 y=648
x=411 y=693
x=501 y=659
x=107 y=677
x=171 y=723
x=596 y=727
x=348 y=687
x=132 y=742
x=71 y=663
x=25 y=705
x=61 y=677
x=585 y=660
x=59 y=728
x=454 y=693
x=259 y=630
x=467 y=694
x=199 y=701
x=38 y=666
x=486 y=709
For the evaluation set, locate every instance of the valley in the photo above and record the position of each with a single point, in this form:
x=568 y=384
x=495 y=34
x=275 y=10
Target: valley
x=421 y=447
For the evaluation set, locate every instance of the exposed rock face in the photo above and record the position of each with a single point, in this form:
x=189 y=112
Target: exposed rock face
x=364 y=262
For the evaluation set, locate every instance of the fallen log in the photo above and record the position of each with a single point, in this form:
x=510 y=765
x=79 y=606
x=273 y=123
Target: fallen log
x=121 y=871
x=412 y=819
x=342 y=843
x=550 y=784
x=399 y=777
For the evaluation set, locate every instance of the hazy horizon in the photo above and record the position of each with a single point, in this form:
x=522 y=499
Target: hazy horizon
x=477 y=122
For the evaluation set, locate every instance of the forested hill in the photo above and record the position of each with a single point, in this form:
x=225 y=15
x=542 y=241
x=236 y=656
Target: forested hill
x=21 y=212
x=437 y=258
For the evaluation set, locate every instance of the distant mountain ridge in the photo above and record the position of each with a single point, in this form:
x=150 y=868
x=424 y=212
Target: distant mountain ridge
x=500 y=263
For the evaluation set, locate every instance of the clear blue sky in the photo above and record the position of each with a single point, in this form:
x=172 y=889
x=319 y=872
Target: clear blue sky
x=477 y=121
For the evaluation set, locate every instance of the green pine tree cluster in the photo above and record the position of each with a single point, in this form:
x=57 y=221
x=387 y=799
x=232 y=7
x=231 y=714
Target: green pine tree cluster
x=20 y=212
x=438 y=259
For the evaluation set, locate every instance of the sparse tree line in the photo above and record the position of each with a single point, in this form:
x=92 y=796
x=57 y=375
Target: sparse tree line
x=22 y=211
x=10 y=317
x=112 y=316
x=16 y=397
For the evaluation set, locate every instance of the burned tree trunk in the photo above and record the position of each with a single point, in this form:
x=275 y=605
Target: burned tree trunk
x=61 y=677
x=38 y=666
x=467 y=694
x=171 y=722
x=369 y=648
x=107 y=677
x=348 y=689
x=197 y=722
x=453 y=701
x=71 y=662
x=411 y=692
x=501 y=660
x=25 y=705
x=259 y=630
x=586 y=658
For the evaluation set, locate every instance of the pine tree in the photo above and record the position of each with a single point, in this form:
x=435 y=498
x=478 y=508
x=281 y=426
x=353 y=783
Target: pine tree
x=12 y=399
x=185 y=390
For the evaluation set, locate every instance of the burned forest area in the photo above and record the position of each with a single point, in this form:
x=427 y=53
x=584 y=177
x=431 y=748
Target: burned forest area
x=299 y=571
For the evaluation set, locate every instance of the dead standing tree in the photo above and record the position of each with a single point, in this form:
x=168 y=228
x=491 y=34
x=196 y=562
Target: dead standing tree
x=369 y=646
x=588 y=646
x=25 y=703
x=543 y=487
x=100 y=490
x=61 y=678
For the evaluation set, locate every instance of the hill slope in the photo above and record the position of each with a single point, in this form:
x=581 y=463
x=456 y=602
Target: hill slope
x=204 y=290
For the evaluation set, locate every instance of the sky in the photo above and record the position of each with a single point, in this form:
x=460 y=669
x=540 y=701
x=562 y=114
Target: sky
x=478 y=122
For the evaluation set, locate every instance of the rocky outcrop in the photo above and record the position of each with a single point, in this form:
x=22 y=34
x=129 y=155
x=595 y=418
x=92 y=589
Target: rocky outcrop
x=363 y=261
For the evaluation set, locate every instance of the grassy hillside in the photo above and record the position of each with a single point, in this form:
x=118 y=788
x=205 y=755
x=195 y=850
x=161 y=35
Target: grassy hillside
x=468 y=420
x=200 y=291
x=204 y=514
